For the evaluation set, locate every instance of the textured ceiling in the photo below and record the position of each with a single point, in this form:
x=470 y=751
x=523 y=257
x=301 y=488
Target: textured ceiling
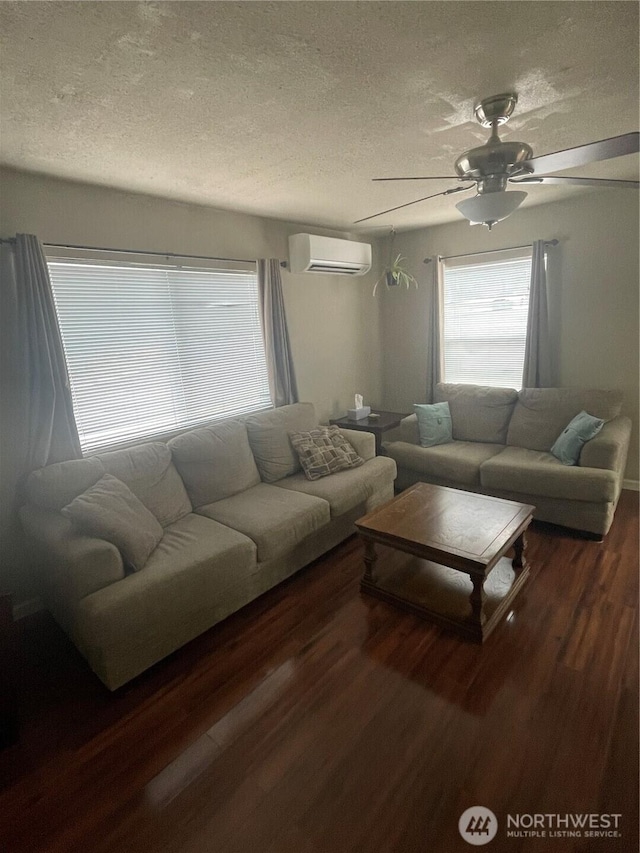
x=289 y=109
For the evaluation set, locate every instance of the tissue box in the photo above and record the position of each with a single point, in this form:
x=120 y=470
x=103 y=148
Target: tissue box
x=358 y=414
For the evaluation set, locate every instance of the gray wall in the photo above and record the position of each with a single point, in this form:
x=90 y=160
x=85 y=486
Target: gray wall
x=593 y=281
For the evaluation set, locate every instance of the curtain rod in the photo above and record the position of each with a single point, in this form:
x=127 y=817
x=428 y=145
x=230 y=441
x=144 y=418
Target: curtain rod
x=158 y=254
x=491 y=251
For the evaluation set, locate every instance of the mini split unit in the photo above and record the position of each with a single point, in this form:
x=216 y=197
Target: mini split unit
x=311 y=253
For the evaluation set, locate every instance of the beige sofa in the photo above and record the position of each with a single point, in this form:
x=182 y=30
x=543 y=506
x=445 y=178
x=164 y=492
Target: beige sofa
x=238 y=517
x=501 y=445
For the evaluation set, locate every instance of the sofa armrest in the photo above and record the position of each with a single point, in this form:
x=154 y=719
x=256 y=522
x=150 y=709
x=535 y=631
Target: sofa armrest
x=364 y=443
x=74 y=565
x=609 y=448
x=409 y=430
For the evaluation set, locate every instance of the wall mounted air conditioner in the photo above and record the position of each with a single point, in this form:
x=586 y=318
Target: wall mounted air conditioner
x=311 y=253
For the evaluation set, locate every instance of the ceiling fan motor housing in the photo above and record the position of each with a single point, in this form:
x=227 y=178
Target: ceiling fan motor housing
x=493 y=163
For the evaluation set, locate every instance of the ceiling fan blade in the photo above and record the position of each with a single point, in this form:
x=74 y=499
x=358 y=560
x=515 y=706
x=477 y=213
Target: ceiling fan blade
x=584 y=182
x=409 y=203
x=569 y=158
x=422 y=178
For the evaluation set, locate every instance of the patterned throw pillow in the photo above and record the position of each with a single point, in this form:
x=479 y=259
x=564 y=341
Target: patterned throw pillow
x=323 y=451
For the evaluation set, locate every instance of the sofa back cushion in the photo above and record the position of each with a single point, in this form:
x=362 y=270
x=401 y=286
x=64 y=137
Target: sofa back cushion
x=57 y=485
x=146 y=469
x=150 y=474
x=215 y=462
x=541 y=414
x=269 y=439
x=478 y=413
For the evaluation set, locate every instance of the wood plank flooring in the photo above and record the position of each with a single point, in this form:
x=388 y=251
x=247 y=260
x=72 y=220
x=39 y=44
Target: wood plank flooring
x=319 y=720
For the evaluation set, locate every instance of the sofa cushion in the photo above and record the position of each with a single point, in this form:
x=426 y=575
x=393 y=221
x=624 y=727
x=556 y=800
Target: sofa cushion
x=275 y=519
x=541 y=414
x=149 y=472
x=215 y=462
x=346 y=489
x=478 y=413
x=323 y=451
x=110 y=511
x=195 y=541
x=458 y=462
x=269 y=439
x=574 y=436
x=57 y=485
x=434 y=423
x=535 y=472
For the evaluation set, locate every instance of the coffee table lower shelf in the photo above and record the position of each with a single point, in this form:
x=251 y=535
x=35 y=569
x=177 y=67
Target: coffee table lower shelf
x=443 y=595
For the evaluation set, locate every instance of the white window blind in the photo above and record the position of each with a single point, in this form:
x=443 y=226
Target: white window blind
x=485 y=307
x=151 y=349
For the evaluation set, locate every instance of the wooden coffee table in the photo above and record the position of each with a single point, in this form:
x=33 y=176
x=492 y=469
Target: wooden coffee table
x=445 y=556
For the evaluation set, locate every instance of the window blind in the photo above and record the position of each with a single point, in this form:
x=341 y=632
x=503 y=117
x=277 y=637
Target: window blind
x=151 y=349
x=485 y=308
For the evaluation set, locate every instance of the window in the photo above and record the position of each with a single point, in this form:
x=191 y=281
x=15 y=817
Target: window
x=485 y=308
x=151 y=349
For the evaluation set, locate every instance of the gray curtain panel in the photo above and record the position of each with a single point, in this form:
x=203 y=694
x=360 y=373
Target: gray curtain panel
x=537 y=358
x=434 y=330
x=36 y=415
x=282 y=379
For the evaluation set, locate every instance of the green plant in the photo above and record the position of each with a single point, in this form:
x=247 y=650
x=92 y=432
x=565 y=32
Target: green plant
x=395 y=275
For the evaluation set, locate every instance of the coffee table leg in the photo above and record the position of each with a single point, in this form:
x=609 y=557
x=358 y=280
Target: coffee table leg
x=370 y=559
x=518 y=561
x=476 y=599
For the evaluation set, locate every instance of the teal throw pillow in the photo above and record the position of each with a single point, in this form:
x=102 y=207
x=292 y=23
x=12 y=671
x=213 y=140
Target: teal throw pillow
x=572 y=439
x=434 y=423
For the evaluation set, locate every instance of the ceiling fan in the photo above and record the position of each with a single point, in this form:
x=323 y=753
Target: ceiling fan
x=490 y=167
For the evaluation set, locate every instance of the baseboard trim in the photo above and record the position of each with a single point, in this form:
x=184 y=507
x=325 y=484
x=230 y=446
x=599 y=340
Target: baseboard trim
x=27 y=608
x=632 y=485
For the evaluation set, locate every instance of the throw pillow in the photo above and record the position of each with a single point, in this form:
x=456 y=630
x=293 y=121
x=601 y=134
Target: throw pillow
x=568 y=445
x=110 y=510
x=323 y=451
x=434 y=423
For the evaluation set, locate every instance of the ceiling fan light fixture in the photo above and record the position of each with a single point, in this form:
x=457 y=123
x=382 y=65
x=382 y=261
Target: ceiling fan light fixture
x=489 y=208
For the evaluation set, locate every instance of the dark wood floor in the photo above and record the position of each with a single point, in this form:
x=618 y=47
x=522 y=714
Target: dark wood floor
x=321 y=721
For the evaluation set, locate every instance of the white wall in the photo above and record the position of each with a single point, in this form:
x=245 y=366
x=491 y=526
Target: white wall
x=593 y=282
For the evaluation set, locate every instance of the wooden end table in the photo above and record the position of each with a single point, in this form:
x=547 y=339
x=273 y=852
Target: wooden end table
x=378 y=426
x=457 y=573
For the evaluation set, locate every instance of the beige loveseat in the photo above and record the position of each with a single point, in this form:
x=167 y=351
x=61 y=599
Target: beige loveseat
x=501 y=445
x=238 y=516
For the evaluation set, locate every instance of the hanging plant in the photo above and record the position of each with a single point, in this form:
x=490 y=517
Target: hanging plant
x=395 y=273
